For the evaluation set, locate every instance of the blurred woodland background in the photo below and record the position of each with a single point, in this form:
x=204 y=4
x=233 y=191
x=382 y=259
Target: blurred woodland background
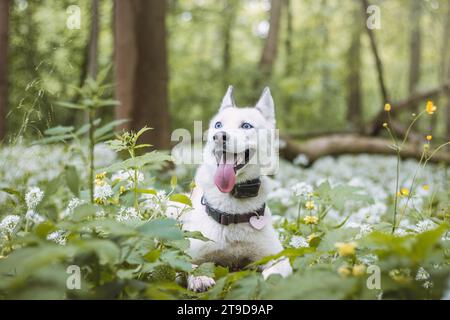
x=171 y=61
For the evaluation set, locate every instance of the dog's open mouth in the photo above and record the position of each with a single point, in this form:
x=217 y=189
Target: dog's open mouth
x=228 y=165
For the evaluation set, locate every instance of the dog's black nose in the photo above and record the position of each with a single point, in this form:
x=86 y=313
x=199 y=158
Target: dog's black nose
x=220 y=136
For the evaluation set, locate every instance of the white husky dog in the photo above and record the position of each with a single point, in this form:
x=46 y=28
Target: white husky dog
x=229 y=199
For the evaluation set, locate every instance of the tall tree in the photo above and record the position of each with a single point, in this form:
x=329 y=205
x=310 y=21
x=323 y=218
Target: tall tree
x=269 y=52
x=326 y=98
x=288 y=40
x=141 y=68
x=376 y=54
x=445 y=62
x=227 y=28
x=354 y=96
x=415 y=45
x=4 y=25
x=92 y=65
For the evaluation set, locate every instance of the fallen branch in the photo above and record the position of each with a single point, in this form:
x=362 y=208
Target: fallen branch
x=340 y=144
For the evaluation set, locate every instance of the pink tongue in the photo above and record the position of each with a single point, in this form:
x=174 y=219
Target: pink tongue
x=225 y=177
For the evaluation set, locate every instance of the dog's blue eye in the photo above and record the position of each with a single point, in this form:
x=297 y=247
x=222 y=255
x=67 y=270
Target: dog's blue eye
x=246 y=125
x=218 y=125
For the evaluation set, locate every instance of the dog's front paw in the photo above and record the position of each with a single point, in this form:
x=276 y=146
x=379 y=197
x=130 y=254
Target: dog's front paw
x=282 y=268
x=200 y=283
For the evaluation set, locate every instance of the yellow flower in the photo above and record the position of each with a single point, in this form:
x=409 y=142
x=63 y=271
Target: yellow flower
x=100 y=182
x=387 y=107
x=426 y=187
x=430 y=108
x=311 y=220
x=309 y=205
x=122 y=189
x=385 y=125
x=404 y=192
x=344 y=271
x=359 y=270
x=100 y=176
x=345 y=248
x=429 y=137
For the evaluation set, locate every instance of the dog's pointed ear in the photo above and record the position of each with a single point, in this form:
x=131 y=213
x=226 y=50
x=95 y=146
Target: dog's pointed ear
x=266 y=106
x=228 y=99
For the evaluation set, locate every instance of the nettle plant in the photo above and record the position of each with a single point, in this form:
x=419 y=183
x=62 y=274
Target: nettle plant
x=114 y=230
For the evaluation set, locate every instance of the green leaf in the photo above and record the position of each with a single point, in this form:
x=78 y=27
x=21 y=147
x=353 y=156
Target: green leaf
x=53 y=139
x=288 y=253
x=152 y=255
x=107 y=251
x=59 y=130
x=147 y=191
x=205 y=269
x=181 y=198
x=139 y=162
x=108 y=127
x=43 y=229
x=196 y=235
x=315 y=284
x=164 y=229
x=69 y=105
x=13 y=192
x=107 y=103
x=73 y=181
x=82 y=212
x=176 y=261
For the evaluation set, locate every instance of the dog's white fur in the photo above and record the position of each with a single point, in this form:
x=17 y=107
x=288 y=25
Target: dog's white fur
x=234 y=245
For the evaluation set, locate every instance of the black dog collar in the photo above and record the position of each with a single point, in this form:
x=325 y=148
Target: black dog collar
x=228 y=218
x=247 y=189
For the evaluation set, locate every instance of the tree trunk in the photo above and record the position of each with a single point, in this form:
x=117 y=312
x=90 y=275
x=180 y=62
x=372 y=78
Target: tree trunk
x=269 y=52
x=326 y=99
x=354 y=97
x=141 y=68
x=415 y=44
x=373 y=43
x=339 y=144
x=288 y=41
x=228 y=12
x=4 y=25
x=446 y=67
x=92 y=65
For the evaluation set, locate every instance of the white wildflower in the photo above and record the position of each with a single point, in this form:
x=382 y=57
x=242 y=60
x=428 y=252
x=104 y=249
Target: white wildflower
x=424 y=225
x=368 y=259
x=428 y=284
x=302 y=160
x=302 y=189
x=400 y=232
x=58 y=236
x=9 y=224
x=422 y=274
x=34 y=217
x=100 y=213
x=102 y=192
x=73 y=203
x=33 y=197
x=298 y=242
x=127 y=214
